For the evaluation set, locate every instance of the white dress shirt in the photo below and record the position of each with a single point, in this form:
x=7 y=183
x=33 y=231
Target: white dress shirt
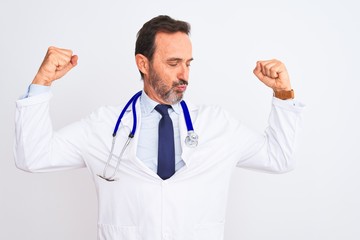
x=147 y=150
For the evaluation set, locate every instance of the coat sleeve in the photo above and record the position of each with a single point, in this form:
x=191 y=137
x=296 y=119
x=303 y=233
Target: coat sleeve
x=37 y=147
x=273 y=151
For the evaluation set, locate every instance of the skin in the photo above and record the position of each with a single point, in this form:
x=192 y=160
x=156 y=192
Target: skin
x=56 y=64
x=167 y=74
x=273 y=74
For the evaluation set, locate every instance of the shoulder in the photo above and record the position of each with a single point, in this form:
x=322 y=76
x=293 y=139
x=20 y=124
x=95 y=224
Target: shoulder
x=105 y=113
x=210 y=114
x=213 y=111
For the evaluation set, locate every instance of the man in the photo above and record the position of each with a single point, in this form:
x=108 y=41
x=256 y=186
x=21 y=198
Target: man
x=182 y=195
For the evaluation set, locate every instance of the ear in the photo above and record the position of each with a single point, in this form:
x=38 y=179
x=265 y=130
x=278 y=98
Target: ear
x=142 y=63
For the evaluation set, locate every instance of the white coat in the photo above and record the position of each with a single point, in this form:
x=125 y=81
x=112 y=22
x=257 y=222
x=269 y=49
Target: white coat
x=140 y=205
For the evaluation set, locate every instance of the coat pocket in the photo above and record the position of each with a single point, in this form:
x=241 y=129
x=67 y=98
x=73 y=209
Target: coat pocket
x=114 y=232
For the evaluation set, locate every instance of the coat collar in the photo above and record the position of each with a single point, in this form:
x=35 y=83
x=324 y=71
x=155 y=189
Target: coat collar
x=146 y=105
x=147 y=108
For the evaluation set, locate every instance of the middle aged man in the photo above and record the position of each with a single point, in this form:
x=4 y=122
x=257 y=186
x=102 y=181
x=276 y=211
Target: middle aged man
x=158 y=186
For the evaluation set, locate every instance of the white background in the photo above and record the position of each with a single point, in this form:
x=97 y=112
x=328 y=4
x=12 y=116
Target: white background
x=318 y=41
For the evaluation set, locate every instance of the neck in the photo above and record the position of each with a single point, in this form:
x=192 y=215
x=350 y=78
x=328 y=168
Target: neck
x=150 y=92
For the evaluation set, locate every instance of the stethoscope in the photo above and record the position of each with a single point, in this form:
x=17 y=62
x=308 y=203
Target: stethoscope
x=191 y=139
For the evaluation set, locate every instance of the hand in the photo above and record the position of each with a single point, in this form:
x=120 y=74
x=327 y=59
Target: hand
x=273 y=74
x=57 y=63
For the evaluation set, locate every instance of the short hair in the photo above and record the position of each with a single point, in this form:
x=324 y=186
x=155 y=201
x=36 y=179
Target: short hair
x=145 y=42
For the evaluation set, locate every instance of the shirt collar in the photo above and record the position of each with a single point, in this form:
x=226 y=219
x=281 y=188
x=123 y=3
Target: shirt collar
x=148 y=105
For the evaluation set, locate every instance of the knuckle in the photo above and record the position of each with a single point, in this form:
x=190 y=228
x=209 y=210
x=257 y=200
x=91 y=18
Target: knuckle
x=51 y=51
x=278 y=62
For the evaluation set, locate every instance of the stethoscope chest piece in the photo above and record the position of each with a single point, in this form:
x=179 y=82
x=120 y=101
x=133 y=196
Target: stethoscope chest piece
x=191 y=139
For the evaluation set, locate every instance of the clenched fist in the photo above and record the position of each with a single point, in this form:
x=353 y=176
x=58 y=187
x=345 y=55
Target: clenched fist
x=56 y=64
x=273 y=74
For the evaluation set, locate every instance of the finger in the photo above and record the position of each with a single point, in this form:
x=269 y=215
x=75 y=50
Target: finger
x=273 y=73
x=267 y=68
x=60 y=51
x=61 y=71
x=272 y=70
x=72 y=63
x=62 y=60
x=266 y=80
x=261 y=66
x=257 y=68
x=59 y=56
x=261 y=72
x=74 y=60
x=258 y=71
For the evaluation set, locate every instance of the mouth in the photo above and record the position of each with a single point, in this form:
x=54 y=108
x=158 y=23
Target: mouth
x=181 y=85
x=181 y=88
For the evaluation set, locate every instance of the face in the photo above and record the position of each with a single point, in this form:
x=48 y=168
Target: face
x=167 y=75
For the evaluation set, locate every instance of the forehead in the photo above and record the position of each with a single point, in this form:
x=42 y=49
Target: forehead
x=173 y=45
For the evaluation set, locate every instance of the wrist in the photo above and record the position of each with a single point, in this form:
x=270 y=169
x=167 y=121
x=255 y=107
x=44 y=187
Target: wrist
x=284 y=94
x=41 y=81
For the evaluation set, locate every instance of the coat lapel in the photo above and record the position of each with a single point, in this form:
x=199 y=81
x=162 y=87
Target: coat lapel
x=187 y=151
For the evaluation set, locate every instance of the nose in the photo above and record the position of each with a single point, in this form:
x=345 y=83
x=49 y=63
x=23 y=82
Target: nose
x=184 y=72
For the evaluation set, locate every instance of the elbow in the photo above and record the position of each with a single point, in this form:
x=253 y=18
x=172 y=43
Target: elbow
x=281 y=158
x=282 y=164
x=20 y=160
x=24 y=166
x=25 y=163
x=284 y=169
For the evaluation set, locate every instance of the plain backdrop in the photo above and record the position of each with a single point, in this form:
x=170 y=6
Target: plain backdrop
x=317 y=40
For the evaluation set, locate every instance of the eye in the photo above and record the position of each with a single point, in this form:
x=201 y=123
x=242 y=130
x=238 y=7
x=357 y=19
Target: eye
x=173 y=64
x=188 y=63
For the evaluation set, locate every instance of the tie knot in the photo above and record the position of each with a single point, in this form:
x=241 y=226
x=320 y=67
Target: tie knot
x=162 y=109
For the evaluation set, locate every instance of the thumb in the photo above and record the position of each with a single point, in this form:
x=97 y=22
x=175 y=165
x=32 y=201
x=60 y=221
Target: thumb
x=62 y=71
x=72 y=63
x=74 y=60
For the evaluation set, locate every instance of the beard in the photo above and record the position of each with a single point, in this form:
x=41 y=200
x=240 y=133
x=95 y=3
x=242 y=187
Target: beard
x=168 y=95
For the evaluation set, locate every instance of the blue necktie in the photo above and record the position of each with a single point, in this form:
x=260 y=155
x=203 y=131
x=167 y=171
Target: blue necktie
x=166 y=150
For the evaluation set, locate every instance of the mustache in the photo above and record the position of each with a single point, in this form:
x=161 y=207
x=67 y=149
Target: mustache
x=180 y=82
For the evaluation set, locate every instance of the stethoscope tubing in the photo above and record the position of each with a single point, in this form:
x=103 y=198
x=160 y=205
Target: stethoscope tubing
x=188 y=122
x=133 y=102
x=191 y=134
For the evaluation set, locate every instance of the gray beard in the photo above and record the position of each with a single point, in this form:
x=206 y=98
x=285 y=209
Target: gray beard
x=167 y=95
